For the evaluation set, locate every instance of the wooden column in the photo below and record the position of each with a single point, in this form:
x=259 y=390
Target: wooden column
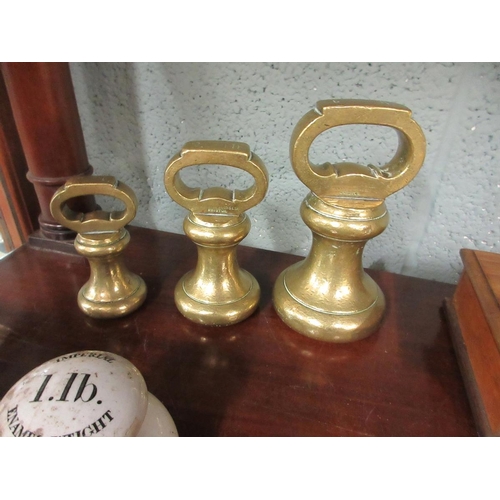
x=46 y=114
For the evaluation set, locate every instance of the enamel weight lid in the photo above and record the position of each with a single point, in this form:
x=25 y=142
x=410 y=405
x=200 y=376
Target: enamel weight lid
x=83 y=394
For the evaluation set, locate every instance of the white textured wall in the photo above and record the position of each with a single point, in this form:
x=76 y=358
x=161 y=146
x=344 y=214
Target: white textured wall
x=137 y=116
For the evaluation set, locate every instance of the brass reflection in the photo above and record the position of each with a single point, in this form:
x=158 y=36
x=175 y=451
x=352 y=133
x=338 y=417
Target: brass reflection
x=217 y=292
x=112 y=290
x=328 y=296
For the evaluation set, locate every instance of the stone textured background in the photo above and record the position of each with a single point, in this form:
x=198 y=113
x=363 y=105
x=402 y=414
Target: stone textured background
x=136 y=116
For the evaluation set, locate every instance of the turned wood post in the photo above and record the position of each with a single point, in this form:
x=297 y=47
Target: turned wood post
x=46 y=115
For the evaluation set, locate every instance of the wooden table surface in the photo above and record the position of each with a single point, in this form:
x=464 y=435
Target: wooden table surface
x=257 y=378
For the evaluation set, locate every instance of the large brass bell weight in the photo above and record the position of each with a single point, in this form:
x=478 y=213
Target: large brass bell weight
x=328 y=296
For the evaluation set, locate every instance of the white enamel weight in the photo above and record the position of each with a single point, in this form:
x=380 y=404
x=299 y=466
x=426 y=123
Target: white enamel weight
x=84 y=394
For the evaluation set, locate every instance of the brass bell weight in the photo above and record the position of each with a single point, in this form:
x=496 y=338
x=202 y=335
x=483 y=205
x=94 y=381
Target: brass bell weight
x=217 y=292
x=112 y=290
x=328 y=296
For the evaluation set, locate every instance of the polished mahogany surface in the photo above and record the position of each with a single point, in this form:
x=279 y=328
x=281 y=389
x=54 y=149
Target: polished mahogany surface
x=474 y=314
x=256 y=378
x=18 y=203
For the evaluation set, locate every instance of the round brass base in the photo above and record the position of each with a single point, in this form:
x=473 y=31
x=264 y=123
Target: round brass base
x=328 y=327
x=217 y=314
x=115 y=308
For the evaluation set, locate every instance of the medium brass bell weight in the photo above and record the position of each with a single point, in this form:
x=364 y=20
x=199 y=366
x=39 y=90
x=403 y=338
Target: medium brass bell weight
x=112 y=290
x=328 y=296
x=217 y=292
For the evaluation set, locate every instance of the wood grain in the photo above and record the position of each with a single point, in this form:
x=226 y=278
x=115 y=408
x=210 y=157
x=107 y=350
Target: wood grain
x=257 y=378
x=475 y=328
x=484 y=270
x=18 y=204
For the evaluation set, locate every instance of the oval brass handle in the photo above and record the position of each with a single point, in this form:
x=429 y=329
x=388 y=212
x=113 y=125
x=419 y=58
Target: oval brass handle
x=216 y=200
x=350 y=180
x=98 y=220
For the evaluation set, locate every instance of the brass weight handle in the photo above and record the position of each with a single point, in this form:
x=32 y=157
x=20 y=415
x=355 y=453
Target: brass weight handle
x=98 y=221
x=350 y=180
x=216 y=200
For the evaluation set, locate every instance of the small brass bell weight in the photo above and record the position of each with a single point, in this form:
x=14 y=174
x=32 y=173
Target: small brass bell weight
x=328 y=296
x=217 y=292
x=112 y=290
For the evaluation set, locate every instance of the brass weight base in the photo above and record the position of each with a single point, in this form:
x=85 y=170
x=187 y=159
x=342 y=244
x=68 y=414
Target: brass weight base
x=117 y=308
x=328 y=327
x=211 y=314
